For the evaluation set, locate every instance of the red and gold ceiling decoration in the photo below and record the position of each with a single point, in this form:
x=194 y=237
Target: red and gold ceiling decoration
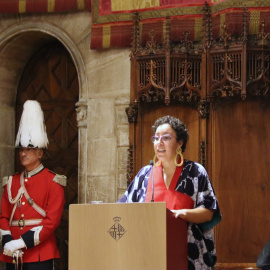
x=112 y=20
x=43 y=6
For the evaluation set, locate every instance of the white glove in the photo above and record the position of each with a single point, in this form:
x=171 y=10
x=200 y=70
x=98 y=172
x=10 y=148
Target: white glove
x=12 y=246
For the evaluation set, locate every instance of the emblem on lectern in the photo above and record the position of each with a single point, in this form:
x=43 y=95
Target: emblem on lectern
x=117 y=230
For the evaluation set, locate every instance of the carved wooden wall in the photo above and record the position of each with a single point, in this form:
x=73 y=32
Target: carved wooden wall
x=219 y=87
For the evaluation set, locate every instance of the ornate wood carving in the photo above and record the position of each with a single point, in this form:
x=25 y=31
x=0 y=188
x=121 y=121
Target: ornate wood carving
x=262 y=36
x=245 y=26
x=171 y=73
x=226 y=88
x=167 y=41
x=258 y=66
x=225 y=66
x=202 y=153
x=165 y=72
x=185 y=73
x=259 y=87
x=226 y=37
x=236 y=67
x=130 y=166
x=151 y=45
x=136 y=34
x=226 y=70
x=151 y=82
x=226 y=76
x=132 y=113
x=204 y=109
x=207 y=23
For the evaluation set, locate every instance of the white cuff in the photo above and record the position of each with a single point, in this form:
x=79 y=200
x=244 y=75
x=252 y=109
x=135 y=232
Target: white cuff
x=4 y=232
x=37 y=231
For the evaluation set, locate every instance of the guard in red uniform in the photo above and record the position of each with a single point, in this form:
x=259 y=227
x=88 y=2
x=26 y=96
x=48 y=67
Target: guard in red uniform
x=33 y=200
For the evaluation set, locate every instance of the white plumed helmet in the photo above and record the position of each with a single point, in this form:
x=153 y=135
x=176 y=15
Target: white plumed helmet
x=32 y=129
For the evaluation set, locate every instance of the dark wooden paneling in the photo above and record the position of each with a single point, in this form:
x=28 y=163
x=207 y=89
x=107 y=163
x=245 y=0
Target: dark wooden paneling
x=241 y=163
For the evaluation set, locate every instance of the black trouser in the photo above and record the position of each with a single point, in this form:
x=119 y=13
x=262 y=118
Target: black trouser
x=45 y=265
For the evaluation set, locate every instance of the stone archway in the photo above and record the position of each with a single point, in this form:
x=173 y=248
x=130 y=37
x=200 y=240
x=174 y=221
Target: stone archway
x=18 y=44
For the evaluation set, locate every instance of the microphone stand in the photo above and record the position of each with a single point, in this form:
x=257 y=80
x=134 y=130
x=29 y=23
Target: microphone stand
x=152 y=163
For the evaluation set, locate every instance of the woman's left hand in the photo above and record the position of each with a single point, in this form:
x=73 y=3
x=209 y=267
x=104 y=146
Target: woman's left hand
x=180 y=213
x=196 y=215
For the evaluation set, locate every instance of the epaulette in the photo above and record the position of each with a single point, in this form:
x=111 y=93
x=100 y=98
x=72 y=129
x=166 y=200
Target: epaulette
x=60 y=179
x=4 y=181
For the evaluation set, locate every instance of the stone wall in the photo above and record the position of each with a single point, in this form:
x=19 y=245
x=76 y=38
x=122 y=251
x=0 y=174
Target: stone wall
x=109 y=83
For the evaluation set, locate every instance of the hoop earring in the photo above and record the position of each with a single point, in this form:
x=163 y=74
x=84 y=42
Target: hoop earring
x=156 y=164
x=178 y=152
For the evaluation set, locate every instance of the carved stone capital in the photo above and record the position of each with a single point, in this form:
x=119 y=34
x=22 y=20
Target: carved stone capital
x=81 y=113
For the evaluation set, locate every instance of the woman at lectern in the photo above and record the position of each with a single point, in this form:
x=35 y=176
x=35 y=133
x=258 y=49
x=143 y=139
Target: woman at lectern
x=185 y=187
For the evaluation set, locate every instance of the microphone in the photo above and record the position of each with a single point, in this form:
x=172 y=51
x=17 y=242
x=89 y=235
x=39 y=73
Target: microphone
x=151 y=164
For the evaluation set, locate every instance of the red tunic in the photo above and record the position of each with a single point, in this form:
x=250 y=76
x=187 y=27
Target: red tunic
x=174 y=199
x=47 y=194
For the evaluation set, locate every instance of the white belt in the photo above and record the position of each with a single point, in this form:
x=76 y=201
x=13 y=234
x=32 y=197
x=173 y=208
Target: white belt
x=25 y=222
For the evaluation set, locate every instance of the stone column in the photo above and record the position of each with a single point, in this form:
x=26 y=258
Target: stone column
x=82 y=155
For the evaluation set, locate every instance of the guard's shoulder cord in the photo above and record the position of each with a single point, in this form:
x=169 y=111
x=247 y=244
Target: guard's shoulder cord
x=14 y=201
x=30 y=200
x=4 y=181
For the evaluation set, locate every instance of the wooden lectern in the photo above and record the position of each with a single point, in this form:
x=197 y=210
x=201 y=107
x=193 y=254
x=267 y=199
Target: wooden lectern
x=126 y=236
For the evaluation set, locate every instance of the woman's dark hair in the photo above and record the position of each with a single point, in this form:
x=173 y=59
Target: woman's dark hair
x=179 y=128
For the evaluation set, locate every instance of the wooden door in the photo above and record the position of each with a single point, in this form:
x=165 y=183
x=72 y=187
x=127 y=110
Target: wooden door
x=50 y=77
x=241 y=164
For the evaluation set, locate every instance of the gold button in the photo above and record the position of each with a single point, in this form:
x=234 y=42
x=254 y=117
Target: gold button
x=26 y=180
x=22 y=215
x=23 y=203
